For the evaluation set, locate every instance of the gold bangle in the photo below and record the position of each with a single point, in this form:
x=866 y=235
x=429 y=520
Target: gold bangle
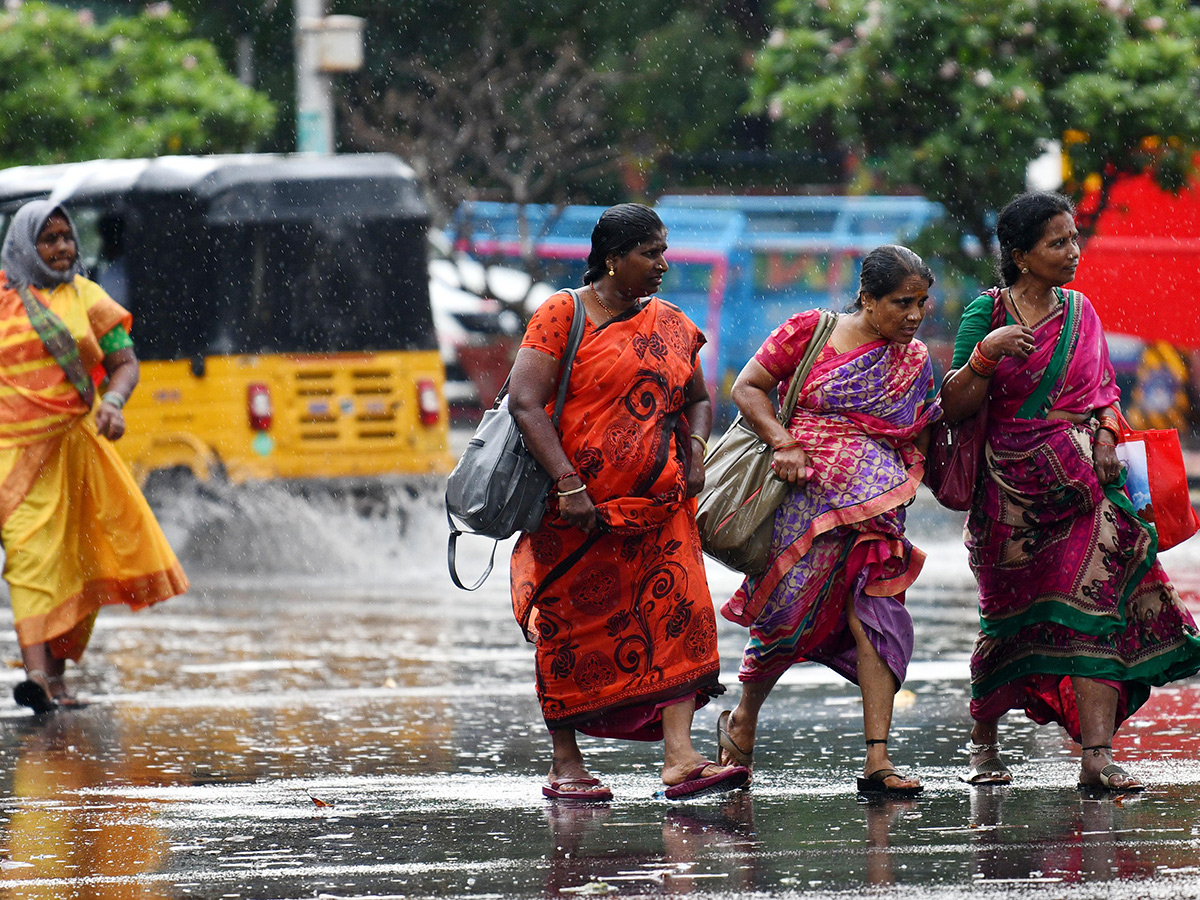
x=578 y=490
x=703 y=443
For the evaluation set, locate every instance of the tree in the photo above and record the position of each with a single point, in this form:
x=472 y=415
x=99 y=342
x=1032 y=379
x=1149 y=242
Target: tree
x=576 y=103
x=519 y=117
x=482 y=106
x=73 y=88
x=955 y=98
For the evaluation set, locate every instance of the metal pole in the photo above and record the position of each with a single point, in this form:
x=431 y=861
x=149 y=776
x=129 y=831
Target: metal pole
x=314 y=101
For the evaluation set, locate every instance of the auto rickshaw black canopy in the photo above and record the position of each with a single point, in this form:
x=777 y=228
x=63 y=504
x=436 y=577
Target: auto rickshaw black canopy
x=251 y=253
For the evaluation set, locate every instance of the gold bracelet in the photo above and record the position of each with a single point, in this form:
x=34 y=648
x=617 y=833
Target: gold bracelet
x=703 y=443
x=578 y=490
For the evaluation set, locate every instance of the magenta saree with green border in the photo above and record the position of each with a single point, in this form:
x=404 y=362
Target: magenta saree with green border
x=1068 y=580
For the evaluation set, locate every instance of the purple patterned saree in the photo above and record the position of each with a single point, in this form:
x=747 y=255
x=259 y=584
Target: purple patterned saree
x=1068 y=582
x=842 y=535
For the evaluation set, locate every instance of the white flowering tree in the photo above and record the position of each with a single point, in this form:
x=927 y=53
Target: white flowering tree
x=955 y=98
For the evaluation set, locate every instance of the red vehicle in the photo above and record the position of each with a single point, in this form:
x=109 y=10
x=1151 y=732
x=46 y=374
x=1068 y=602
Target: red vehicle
x=1140 y=269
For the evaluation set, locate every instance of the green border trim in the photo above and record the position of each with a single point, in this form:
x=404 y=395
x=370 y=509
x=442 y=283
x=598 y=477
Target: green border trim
x=1032 y=408
x=1182 y=662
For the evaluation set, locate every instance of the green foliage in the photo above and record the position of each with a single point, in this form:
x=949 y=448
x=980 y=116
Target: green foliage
x=685 y=80
x=955 y=98
x=72 y=89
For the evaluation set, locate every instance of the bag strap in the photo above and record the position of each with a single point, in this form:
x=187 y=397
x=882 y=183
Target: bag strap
x=574 y=339
x=59 y=343
x=820 y=337
x=452 y=553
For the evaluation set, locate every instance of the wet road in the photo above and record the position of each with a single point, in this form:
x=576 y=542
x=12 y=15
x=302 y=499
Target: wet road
x=325 y=716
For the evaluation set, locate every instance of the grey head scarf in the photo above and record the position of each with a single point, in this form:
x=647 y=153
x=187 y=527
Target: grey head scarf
x=19 y=257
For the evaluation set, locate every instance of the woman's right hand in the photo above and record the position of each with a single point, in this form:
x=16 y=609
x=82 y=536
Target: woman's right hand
x=577 y=510
x=1011 y=340
x=791 y=465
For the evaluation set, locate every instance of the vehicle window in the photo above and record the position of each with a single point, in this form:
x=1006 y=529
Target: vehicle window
x=326 y=287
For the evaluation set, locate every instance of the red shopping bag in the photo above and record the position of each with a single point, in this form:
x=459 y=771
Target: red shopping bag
x=1157 y=484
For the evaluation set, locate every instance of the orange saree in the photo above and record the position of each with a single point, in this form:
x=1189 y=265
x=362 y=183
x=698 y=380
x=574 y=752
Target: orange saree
x=76 y=531
x=622 y=617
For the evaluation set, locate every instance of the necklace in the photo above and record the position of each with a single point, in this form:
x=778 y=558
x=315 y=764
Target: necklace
x=1012 y=294
x=604 y=306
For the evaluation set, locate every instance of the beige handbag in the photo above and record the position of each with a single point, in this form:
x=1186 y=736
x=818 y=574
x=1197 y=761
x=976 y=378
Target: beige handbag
x=741 y=492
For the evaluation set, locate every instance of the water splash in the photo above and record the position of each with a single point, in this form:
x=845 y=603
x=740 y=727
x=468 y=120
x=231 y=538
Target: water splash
x=389 y=531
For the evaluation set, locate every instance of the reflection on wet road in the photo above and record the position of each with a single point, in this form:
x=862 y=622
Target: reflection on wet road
x=340 y=734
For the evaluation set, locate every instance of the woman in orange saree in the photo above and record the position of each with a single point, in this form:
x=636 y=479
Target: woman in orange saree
x=76 y=531
x=611 y=588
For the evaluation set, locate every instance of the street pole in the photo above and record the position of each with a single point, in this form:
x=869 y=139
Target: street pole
x=314 y=101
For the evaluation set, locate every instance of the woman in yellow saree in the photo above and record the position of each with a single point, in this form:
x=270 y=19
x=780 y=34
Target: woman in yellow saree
x=77 y=533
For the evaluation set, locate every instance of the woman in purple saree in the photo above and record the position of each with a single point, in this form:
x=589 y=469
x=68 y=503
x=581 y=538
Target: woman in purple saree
x=1077 y=619
x=833 y=592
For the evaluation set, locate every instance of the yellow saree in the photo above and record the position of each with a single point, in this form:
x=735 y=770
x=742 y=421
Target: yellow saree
x=76 y=531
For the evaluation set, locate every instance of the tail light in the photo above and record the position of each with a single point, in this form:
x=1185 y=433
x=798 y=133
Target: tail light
x=428 y=403
x=258 y=406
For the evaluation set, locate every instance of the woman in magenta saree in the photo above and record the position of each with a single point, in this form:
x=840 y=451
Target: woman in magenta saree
x=1077 y=619
x=833 y=592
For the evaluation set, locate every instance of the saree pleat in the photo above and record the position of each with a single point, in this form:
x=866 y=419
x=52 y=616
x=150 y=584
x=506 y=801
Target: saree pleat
x=1068 y=580
x=622 y=618
x=841 y=536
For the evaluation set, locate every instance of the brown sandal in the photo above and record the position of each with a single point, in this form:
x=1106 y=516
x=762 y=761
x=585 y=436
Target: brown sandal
x=989 y=771
x=738 y=756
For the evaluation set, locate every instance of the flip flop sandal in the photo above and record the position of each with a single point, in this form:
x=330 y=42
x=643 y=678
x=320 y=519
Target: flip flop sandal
x=59 y=694
x=34 y=695
x=875 y=785
x=989 y=771
x=698 y=785
x=594 y=791
x=1106 y=776
x=739 y=756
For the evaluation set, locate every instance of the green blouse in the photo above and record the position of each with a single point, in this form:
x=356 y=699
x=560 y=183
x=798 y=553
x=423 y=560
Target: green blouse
x=975 y=325
x=116 y=339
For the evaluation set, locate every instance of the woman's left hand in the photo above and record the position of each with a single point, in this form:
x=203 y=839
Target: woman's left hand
x=1104 y=460
x=110 y=421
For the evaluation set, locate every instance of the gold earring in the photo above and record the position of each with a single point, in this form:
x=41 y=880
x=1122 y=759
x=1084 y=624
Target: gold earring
x=612 y=271
x=1024 y=270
